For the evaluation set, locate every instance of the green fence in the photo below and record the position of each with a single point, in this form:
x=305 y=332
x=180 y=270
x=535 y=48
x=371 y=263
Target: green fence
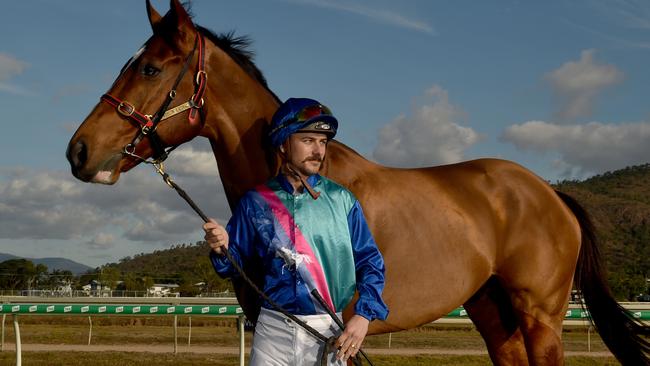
x=118 y=309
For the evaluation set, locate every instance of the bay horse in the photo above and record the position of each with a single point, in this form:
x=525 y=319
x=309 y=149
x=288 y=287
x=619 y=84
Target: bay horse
x=487 y=234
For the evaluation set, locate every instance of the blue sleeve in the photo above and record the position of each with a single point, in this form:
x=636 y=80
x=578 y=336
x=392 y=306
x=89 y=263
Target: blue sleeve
x=369 y=265
x=241 y=240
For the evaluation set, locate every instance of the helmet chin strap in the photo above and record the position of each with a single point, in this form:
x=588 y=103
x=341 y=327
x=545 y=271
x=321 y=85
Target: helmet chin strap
x=308 y=187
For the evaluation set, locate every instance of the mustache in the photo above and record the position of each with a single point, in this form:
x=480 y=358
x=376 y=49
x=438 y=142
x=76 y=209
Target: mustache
x=316 y=158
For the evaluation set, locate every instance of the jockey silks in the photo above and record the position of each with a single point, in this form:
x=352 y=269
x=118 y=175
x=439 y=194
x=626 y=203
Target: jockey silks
x=307 y=244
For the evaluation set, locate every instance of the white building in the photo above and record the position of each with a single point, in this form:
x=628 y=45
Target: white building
x=163 y=290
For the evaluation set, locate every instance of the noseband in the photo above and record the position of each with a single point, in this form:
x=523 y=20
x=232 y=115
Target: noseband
x=147 y=123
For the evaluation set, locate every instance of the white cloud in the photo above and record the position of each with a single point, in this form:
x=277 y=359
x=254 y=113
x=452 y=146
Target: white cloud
x=585 y=149
x=190 y=161
x=102 y=241
x=430 y=136
x=10 y=67
x=53 y=205
x=578 y=83
x=633 y=14
x=379 y=15
x=626 y=42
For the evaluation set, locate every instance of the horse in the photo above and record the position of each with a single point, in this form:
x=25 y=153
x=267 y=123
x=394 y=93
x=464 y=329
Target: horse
x=487 y=234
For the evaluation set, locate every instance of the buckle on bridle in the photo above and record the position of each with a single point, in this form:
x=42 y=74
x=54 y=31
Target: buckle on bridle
x=129 y=150
x=126 y=109
x=203 y=74
x=195 y=105
x=147 y=129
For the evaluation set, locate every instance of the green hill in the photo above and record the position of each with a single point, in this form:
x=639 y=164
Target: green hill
x=52 y=263
x=619 y=204
x=183 y=264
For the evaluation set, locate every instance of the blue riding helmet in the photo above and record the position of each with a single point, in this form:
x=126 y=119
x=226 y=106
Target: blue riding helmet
x=301 y=114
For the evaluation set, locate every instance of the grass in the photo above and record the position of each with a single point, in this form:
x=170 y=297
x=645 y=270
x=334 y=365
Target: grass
x=147 y=359
x=223 y=332
x=466 y=337
x=213 y=332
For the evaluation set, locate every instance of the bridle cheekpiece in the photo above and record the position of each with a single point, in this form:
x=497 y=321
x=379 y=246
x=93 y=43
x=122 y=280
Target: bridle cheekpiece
x=148 y=123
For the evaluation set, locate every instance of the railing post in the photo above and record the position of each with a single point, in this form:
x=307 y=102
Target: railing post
x=90 y=330
x=189 y=332
x=4 y=316
x=242 y=344
x=19 y=358
x=589 y=338
x=175 y=334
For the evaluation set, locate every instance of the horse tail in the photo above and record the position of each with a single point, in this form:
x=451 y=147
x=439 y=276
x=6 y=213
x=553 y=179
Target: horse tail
x=624 y=335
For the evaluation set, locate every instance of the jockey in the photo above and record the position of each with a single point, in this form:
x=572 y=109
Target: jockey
x=309 y=233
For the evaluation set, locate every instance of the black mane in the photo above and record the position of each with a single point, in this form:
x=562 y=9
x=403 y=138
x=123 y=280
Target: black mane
x=238 y=49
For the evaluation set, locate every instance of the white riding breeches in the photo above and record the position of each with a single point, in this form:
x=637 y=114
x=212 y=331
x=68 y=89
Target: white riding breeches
x=279 y=341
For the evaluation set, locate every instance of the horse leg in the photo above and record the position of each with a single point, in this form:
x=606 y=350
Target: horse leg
x=543 y=344
x=540 y=316
x=491 y=311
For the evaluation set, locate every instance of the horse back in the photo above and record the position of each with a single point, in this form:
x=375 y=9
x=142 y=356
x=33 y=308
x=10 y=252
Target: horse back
x=452 y=227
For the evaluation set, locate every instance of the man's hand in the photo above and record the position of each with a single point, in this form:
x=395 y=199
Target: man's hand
x=216 y=236
x=350 y=341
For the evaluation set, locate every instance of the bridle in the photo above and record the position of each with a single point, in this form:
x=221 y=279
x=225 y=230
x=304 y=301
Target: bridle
x=147 y=123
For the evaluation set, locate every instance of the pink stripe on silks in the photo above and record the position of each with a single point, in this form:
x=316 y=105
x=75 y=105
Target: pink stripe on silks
x=301 y=245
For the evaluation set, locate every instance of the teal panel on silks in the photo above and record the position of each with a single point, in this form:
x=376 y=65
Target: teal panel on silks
x=323 y=224
x=99 y=309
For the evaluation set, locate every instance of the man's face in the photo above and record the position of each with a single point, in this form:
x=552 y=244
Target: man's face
x=305 y=152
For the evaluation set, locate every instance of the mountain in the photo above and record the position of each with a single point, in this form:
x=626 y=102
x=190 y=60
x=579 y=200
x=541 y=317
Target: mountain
x=619 y=205
x=52 y=263
x=184 y=264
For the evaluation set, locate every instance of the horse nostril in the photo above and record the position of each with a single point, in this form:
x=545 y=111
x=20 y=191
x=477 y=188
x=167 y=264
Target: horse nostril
x=77 y=155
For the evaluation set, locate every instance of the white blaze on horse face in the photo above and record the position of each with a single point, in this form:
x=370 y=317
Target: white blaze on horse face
x=130 y=62
x=102 y=176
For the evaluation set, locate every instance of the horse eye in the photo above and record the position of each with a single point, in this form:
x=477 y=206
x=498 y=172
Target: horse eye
x=149 y=70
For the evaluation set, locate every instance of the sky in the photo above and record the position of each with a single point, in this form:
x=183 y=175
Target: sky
x=560 y=87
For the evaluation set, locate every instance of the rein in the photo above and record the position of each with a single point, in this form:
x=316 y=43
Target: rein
x=329 y=342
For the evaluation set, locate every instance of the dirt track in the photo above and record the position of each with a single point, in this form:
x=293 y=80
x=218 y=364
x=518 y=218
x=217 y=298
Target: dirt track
x=235 y=350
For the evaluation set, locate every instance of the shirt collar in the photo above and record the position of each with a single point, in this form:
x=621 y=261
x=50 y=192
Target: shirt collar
x=312 y=180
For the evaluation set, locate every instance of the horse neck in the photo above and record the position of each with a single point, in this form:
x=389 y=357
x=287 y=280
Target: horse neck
x=345 y=166
x=238 y=110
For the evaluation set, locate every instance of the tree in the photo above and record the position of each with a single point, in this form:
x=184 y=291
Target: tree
x=204 y=272
x=56 y=279
x=146 y=283
x=21 y=274
x=109 y=276
x=130 y=282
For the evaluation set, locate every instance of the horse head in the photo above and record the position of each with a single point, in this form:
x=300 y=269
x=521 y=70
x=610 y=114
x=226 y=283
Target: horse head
x=122 y=130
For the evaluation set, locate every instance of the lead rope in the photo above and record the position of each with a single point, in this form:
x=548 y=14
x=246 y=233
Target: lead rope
x=328 y=342
x=304 y=183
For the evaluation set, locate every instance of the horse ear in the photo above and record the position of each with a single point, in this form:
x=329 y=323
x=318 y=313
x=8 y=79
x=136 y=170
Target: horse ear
x=182 y=19
x=180 y=14
x=154 y=16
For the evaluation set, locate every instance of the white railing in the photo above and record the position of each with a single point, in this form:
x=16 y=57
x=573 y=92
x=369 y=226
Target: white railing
x=120 y=306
